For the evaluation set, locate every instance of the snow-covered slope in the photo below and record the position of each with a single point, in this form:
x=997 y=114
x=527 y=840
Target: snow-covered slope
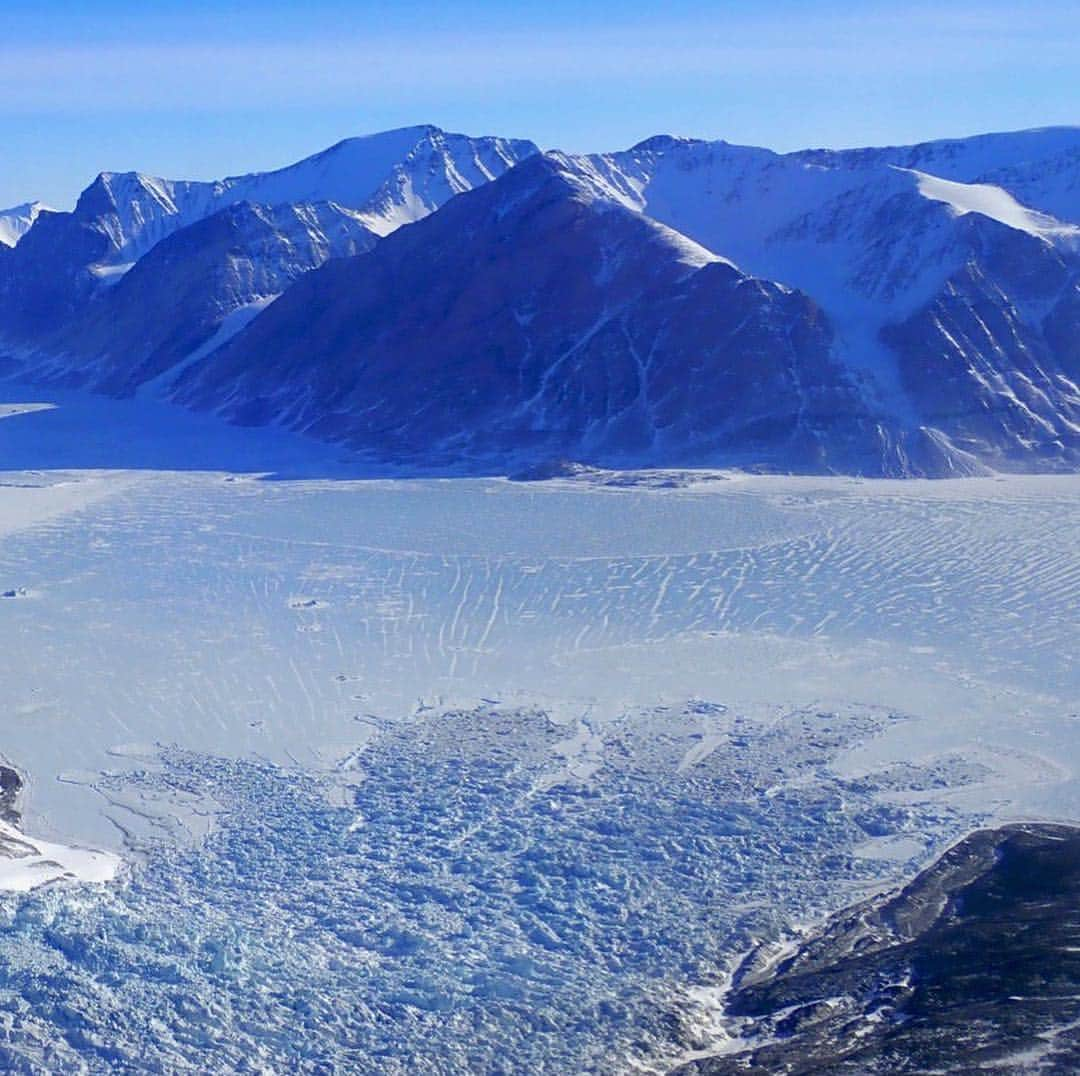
x=16 y=222
x=993 y=202
x=1040 y=167
x=389 y=178
x=881 y=236
x=840 y=221
x=26 y=863
x=379 y=182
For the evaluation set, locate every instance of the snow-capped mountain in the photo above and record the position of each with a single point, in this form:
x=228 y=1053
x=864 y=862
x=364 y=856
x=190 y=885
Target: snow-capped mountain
x=887 y=238
x=16 y=222
x=389 y=179
x=871 y=233
x=535 y=317
x=55 y=299
x=939 y=283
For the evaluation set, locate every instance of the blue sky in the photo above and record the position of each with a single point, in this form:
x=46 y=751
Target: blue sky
x=200 y=90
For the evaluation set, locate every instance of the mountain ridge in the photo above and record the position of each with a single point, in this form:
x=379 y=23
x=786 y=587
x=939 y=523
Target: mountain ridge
x=605 y=336
x=54 y=288
x=947 y=276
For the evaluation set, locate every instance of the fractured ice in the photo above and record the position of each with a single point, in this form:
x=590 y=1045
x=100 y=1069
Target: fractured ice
x=460 y=911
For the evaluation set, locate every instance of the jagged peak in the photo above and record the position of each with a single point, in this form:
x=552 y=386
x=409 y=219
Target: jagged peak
x=16 y=221
x=382 y=175
x=103 y=194
x=400 y=143
x=663 y=143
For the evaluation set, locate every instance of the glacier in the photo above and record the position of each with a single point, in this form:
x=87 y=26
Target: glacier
x=443 y=774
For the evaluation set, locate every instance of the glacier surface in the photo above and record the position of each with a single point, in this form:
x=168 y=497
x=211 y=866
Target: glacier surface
x=457 y=775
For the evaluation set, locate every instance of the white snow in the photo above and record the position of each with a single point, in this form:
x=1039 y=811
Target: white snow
x=17 y=221
x=11 y=410
x=231 y=324
x=26 y=862
x=945 y=599
x=993 y=202
x=388 y=179
x=111 y=273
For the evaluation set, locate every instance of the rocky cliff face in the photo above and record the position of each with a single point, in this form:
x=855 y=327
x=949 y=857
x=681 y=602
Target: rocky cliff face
x=991 y=359
x=970 y=968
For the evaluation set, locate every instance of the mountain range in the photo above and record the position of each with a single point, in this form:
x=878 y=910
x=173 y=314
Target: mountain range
x=442 y=300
